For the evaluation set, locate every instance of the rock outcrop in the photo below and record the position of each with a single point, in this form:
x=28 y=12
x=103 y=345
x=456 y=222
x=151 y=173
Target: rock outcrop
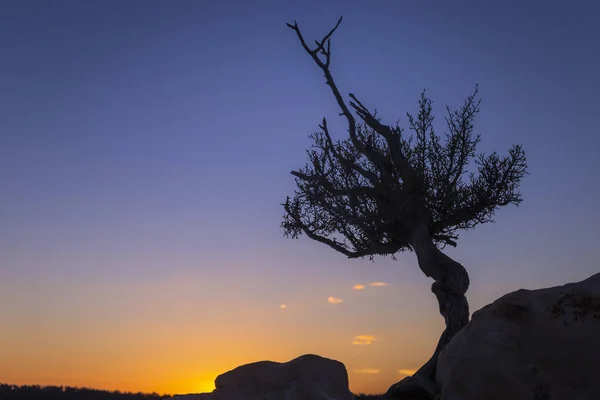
x=531 y=345
x=308 y=377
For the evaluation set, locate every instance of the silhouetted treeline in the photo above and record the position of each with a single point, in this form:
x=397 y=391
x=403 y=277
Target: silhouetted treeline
x=37 y=392
x=30 y=392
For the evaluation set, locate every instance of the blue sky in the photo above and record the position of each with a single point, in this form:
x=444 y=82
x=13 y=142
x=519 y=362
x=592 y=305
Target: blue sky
x=145 y=148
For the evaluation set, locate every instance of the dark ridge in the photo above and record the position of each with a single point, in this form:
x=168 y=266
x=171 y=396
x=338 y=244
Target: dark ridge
x=37 y=392
x=10 y=392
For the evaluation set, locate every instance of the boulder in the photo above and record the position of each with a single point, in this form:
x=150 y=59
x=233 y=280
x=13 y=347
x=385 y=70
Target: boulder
x=530 y=344
x=308 y=377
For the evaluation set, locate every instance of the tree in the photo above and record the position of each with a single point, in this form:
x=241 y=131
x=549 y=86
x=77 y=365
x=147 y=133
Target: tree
x=381 y=191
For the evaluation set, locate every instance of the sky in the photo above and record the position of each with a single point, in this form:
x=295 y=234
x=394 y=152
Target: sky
x=145 y=151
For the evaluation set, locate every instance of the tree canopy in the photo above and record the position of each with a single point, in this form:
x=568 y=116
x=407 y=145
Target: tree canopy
x=365 y=195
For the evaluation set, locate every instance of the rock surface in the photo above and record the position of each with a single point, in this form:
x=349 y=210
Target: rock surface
x=530 y=344
x=308 y=377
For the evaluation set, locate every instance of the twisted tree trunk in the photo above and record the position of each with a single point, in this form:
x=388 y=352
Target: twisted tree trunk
x=451 y=284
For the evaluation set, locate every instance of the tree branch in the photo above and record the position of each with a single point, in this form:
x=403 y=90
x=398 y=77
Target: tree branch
x=324 y=66
x=392 y=138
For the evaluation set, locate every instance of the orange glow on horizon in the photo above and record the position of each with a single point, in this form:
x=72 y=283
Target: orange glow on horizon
x=407 y=371
x=132 y=340
x=190 y=386
x=164 y=349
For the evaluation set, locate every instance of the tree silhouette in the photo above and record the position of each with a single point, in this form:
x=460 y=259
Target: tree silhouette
x=381 y=191
x=37 y=392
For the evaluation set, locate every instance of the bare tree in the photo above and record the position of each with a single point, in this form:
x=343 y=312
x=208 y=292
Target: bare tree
x=381 y=191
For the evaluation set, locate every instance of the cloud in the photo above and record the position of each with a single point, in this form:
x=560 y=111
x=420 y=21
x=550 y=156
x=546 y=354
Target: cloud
x=358 y=287
x=366 y=371
x=334 y=300
x=407 y=371
x=283 y=306
x=377 y=284
x=363 y=339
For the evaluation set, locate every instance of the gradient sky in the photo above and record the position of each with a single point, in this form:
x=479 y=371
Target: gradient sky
x=145 y=149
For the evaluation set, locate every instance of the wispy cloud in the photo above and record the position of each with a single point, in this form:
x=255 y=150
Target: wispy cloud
x=363 y=339
x=377 y=284
x=334 y=300
x=407 y=371
x=283 y=306
x=366 y=371
x=358 y=287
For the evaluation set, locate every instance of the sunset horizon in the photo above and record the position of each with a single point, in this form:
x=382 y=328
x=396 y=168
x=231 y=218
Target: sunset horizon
x=146 y=150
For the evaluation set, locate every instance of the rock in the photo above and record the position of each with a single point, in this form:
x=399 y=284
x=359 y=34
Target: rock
x=530 y=344
x=308 y=377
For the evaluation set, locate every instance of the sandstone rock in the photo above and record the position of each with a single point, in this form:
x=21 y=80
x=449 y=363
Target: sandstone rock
x=308 y=377
x=530 y=344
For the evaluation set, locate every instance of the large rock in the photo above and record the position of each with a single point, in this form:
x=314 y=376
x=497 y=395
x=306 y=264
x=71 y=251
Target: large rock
x=307 y=377
x=529 y=344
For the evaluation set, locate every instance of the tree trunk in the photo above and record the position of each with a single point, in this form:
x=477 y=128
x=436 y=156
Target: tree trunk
x=451 y=284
